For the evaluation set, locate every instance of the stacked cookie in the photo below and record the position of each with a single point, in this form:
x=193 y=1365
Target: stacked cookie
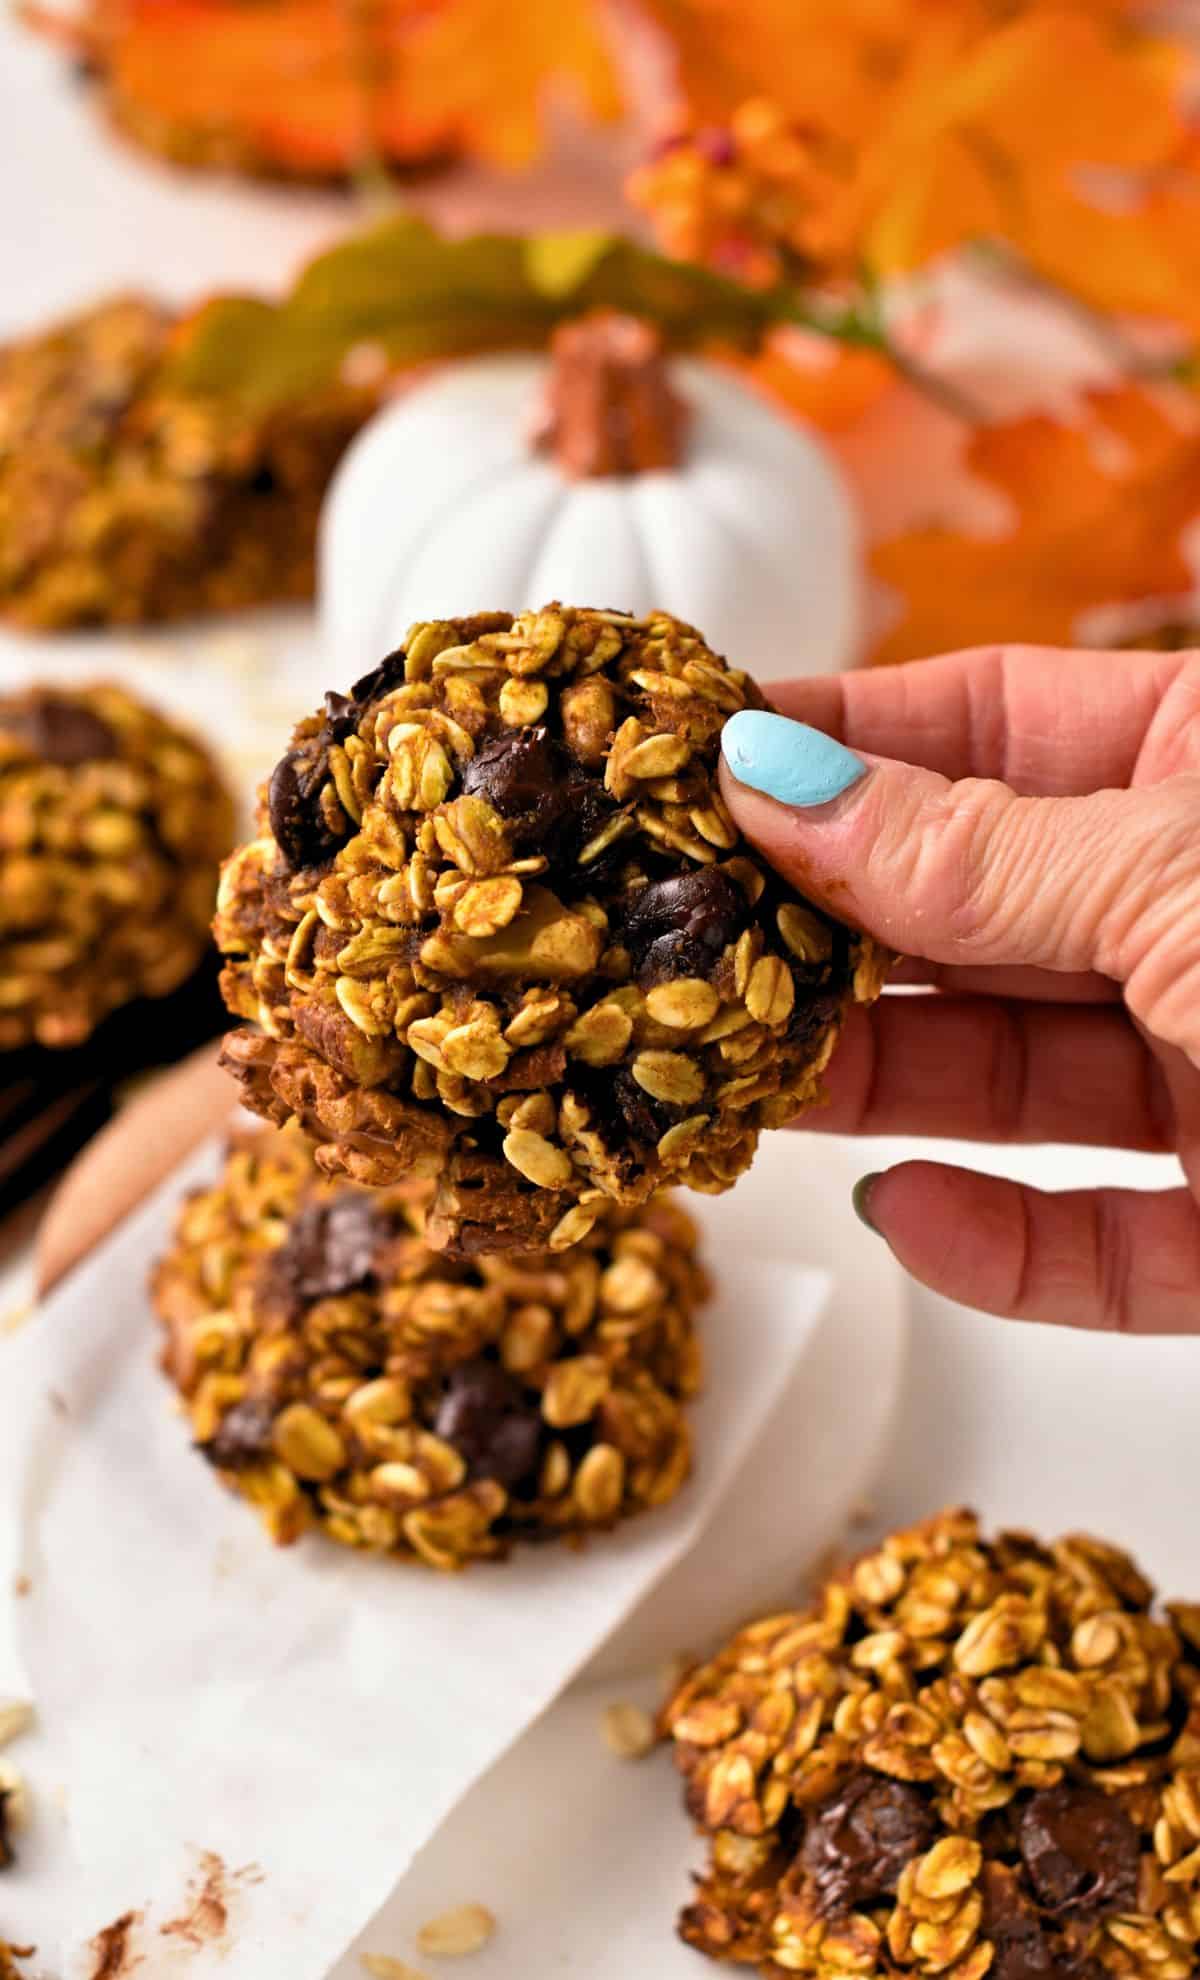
x=510 y=968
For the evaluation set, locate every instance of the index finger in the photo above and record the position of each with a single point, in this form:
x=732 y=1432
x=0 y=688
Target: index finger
x=1046 y=721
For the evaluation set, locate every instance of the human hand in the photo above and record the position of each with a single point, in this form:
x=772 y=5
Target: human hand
x=1041 y=871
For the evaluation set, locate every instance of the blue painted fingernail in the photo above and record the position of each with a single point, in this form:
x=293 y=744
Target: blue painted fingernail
x=787 y=760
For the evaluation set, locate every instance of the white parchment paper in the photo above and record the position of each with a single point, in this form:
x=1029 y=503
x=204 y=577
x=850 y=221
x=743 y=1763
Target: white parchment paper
x=303 y=1718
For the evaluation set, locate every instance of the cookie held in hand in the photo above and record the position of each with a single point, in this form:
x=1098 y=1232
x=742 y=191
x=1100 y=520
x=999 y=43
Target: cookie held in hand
x=971 y=1758
x=500 y=928
x=340 y=1374
x=113 y=822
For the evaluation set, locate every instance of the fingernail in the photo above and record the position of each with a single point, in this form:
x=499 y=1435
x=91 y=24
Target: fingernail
x=860 y=1197
x=788 y=760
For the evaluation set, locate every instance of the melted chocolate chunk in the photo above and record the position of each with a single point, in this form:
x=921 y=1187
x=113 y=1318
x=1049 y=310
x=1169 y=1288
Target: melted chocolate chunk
x=679 y=927
x=60 y=731
x=381 y=679
x=857 y=1843
x=1014 y=1928
x=7 y=1854
x=485 y=1416
x=293 y=803
x=244 y=1435
x=647 y=1119
x=1081 y=1850
x=341 y=716
x=553 y=806
x=330 y=1249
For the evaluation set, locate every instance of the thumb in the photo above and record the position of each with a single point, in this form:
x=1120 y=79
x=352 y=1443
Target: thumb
x=971 y=872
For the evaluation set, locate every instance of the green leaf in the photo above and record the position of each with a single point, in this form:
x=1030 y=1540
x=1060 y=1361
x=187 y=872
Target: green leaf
x=559 y=263
x=420 y=296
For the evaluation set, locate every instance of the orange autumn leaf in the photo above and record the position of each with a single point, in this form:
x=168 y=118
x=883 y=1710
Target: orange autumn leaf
x=834 y=66
x=324 y=87
x=487 y=66
x=820 y=383
x=884 y=138
x=1095 y=185
x=1098 y=509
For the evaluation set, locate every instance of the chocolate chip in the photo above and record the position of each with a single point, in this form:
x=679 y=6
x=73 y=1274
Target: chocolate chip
x=381 y=679
x=645 y=1118
x=857 y=1843
x=293 y=803
x=680 y=927
x=341 y=716
x=553 y=806
x=243 y=1435
x=60 y=731
x=1020 y=1947
x=517 y=772
x=1081 y=1850
x=486 y=1418
x=330 y=1249
x=7 y=1853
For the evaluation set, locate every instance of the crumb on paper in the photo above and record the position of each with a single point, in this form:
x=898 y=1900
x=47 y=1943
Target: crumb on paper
x=206 y=1916
x=58 y=1402
x=15 y=1317
x=22 y=1586
x=112 y=1953
x=381 y=1966
x=204 y=1920
x=455 y=1933
x=628 y=1731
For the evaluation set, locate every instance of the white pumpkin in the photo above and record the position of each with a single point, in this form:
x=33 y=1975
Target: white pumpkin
x=443 y=507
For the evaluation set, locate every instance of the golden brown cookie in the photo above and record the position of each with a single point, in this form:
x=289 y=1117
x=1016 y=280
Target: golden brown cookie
x=499 y=927
x=338 y=1373
x=113 y=821
x=970 y=1758
x=124 y=499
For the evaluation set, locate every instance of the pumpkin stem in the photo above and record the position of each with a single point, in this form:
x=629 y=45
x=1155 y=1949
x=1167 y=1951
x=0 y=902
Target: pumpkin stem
x=609 y=406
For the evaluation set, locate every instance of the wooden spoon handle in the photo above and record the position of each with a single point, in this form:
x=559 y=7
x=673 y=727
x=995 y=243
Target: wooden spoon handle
x=128 y=1159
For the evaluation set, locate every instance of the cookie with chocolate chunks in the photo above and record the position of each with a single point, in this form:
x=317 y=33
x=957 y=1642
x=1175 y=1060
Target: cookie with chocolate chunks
x=970 y=1756
x=341 y=1375
x=498 y=928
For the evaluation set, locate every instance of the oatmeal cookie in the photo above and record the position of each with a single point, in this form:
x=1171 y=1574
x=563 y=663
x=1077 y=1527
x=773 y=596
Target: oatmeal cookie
x=968 y=1757
x=498 y=927
x=113 y=822
x=338 y=1373
x=123 y=499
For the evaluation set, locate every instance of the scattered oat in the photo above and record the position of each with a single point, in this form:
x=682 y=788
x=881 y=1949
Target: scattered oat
x=382 y=1966
x=628 y=1731
x=453 y=1934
